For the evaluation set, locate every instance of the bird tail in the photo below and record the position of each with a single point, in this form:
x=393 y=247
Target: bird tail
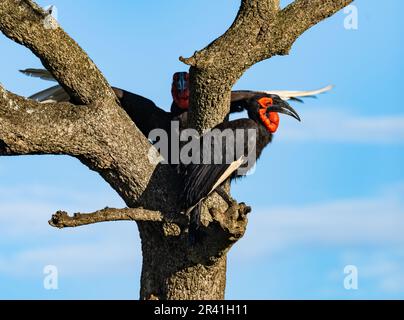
x=239 y=95
x=38 y=73
x=53 y=94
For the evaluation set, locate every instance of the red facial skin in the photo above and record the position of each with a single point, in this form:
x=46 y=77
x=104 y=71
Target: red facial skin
x=180 y=97
x=182 y=101
x=271 y=122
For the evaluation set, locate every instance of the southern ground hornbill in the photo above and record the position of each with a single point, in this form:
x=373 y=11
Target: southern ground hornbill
x=204 y=177
x=144 y=112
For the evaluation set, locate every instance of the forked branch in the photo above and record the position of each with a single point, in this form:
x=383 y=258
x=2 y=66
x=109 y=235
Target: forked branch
x=260 y=31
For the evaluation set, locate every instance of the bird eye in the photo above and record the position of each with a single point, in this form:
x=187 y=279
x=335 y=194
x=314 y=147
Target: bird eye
x=270 y=102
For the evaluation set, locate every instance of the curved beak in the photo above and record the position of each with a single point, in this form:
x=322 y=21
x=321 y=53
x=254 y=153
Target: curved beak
x=285 y=108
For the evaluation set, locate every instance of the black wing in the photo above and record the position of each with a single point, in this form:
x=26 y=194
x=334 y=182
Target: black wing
x=238 y=100
x=143 y=112
x=201 y=179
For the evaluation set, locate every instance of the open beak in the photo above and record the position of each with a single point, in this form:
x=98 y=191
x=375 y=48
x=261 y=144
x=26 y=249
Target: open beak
x=285 y=108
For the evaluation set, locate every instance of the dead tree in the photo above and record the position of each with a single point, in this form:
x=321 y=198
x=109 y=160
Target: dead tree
x=95 y=130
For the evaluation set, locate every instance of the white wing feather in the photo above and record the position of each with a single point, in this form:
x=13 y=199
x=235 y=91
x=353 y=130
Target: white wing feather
x=53 y=94
x=38 y=73
x=58 y=94
x=287 y=95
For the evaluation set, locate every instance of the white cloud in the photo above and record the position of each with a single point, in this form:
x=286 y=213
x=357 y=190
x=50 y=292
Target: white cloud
x=26 y=209
x=332 y=125
x=105 y=248
x=377 y=221
x=381 y=268
x=39 y=192
x=24 y=219
x=84 y=259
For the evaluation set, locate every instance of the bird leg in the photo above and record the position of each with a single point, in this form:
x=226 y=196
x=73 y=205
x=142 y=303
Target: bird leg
x=225 y=196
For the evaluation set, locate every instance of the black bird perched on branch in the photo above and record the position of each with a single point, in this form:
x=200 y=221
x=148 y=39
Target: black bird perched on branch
x=244 y=148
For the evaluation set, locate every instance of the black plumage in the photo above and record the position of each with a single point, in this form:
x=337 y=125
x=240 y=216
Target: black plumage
x=200 y=179
x=144 y=112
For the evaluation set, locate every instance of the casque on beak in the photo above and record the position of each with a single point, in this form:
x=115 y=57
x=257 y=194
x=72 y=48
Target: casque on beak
x=285 y=108
x=182 y=84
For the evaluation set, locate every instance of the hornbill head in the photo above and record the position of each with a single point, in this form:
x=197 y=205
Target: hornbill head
x=180 y=89
x=265 y=109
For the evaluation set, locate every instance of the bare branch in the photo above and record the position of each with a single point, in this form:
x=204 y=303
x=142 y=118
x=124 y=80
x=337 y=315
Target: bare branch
x=28 y=127
x=301 y=15
x=24 y=22
x=104 y=139
x=62 y=220
x=259 y=32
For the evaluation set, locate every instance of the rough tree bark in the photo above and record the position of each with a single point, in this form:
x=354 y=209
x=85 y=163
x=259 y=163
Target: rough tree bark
x=95 y=130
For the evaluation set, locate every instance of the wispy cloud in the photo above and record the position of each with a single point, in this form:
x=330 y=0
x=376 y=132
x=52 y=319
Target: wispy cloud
x=332 y=125
x=83 y=259
x=92 y=250
x=39 y=193
x=25 y=209
x=105 y=249
x=387 y=272
x=376 y=221
x=24 y=219
x=381 y=269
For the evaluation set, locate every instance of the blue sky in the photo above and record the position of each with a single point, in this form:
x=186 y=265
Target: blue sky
x=327 y=193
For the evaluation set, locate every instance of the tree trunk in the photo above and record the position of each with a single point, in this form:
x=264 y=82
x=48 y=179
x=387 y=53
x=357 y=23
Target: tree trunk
x=168 y=272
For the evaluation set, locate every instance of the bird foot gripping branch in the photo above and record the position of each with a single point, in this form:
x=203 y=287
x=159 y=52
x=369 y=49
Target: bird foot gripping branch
x=233 y=220
x=218 y=230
